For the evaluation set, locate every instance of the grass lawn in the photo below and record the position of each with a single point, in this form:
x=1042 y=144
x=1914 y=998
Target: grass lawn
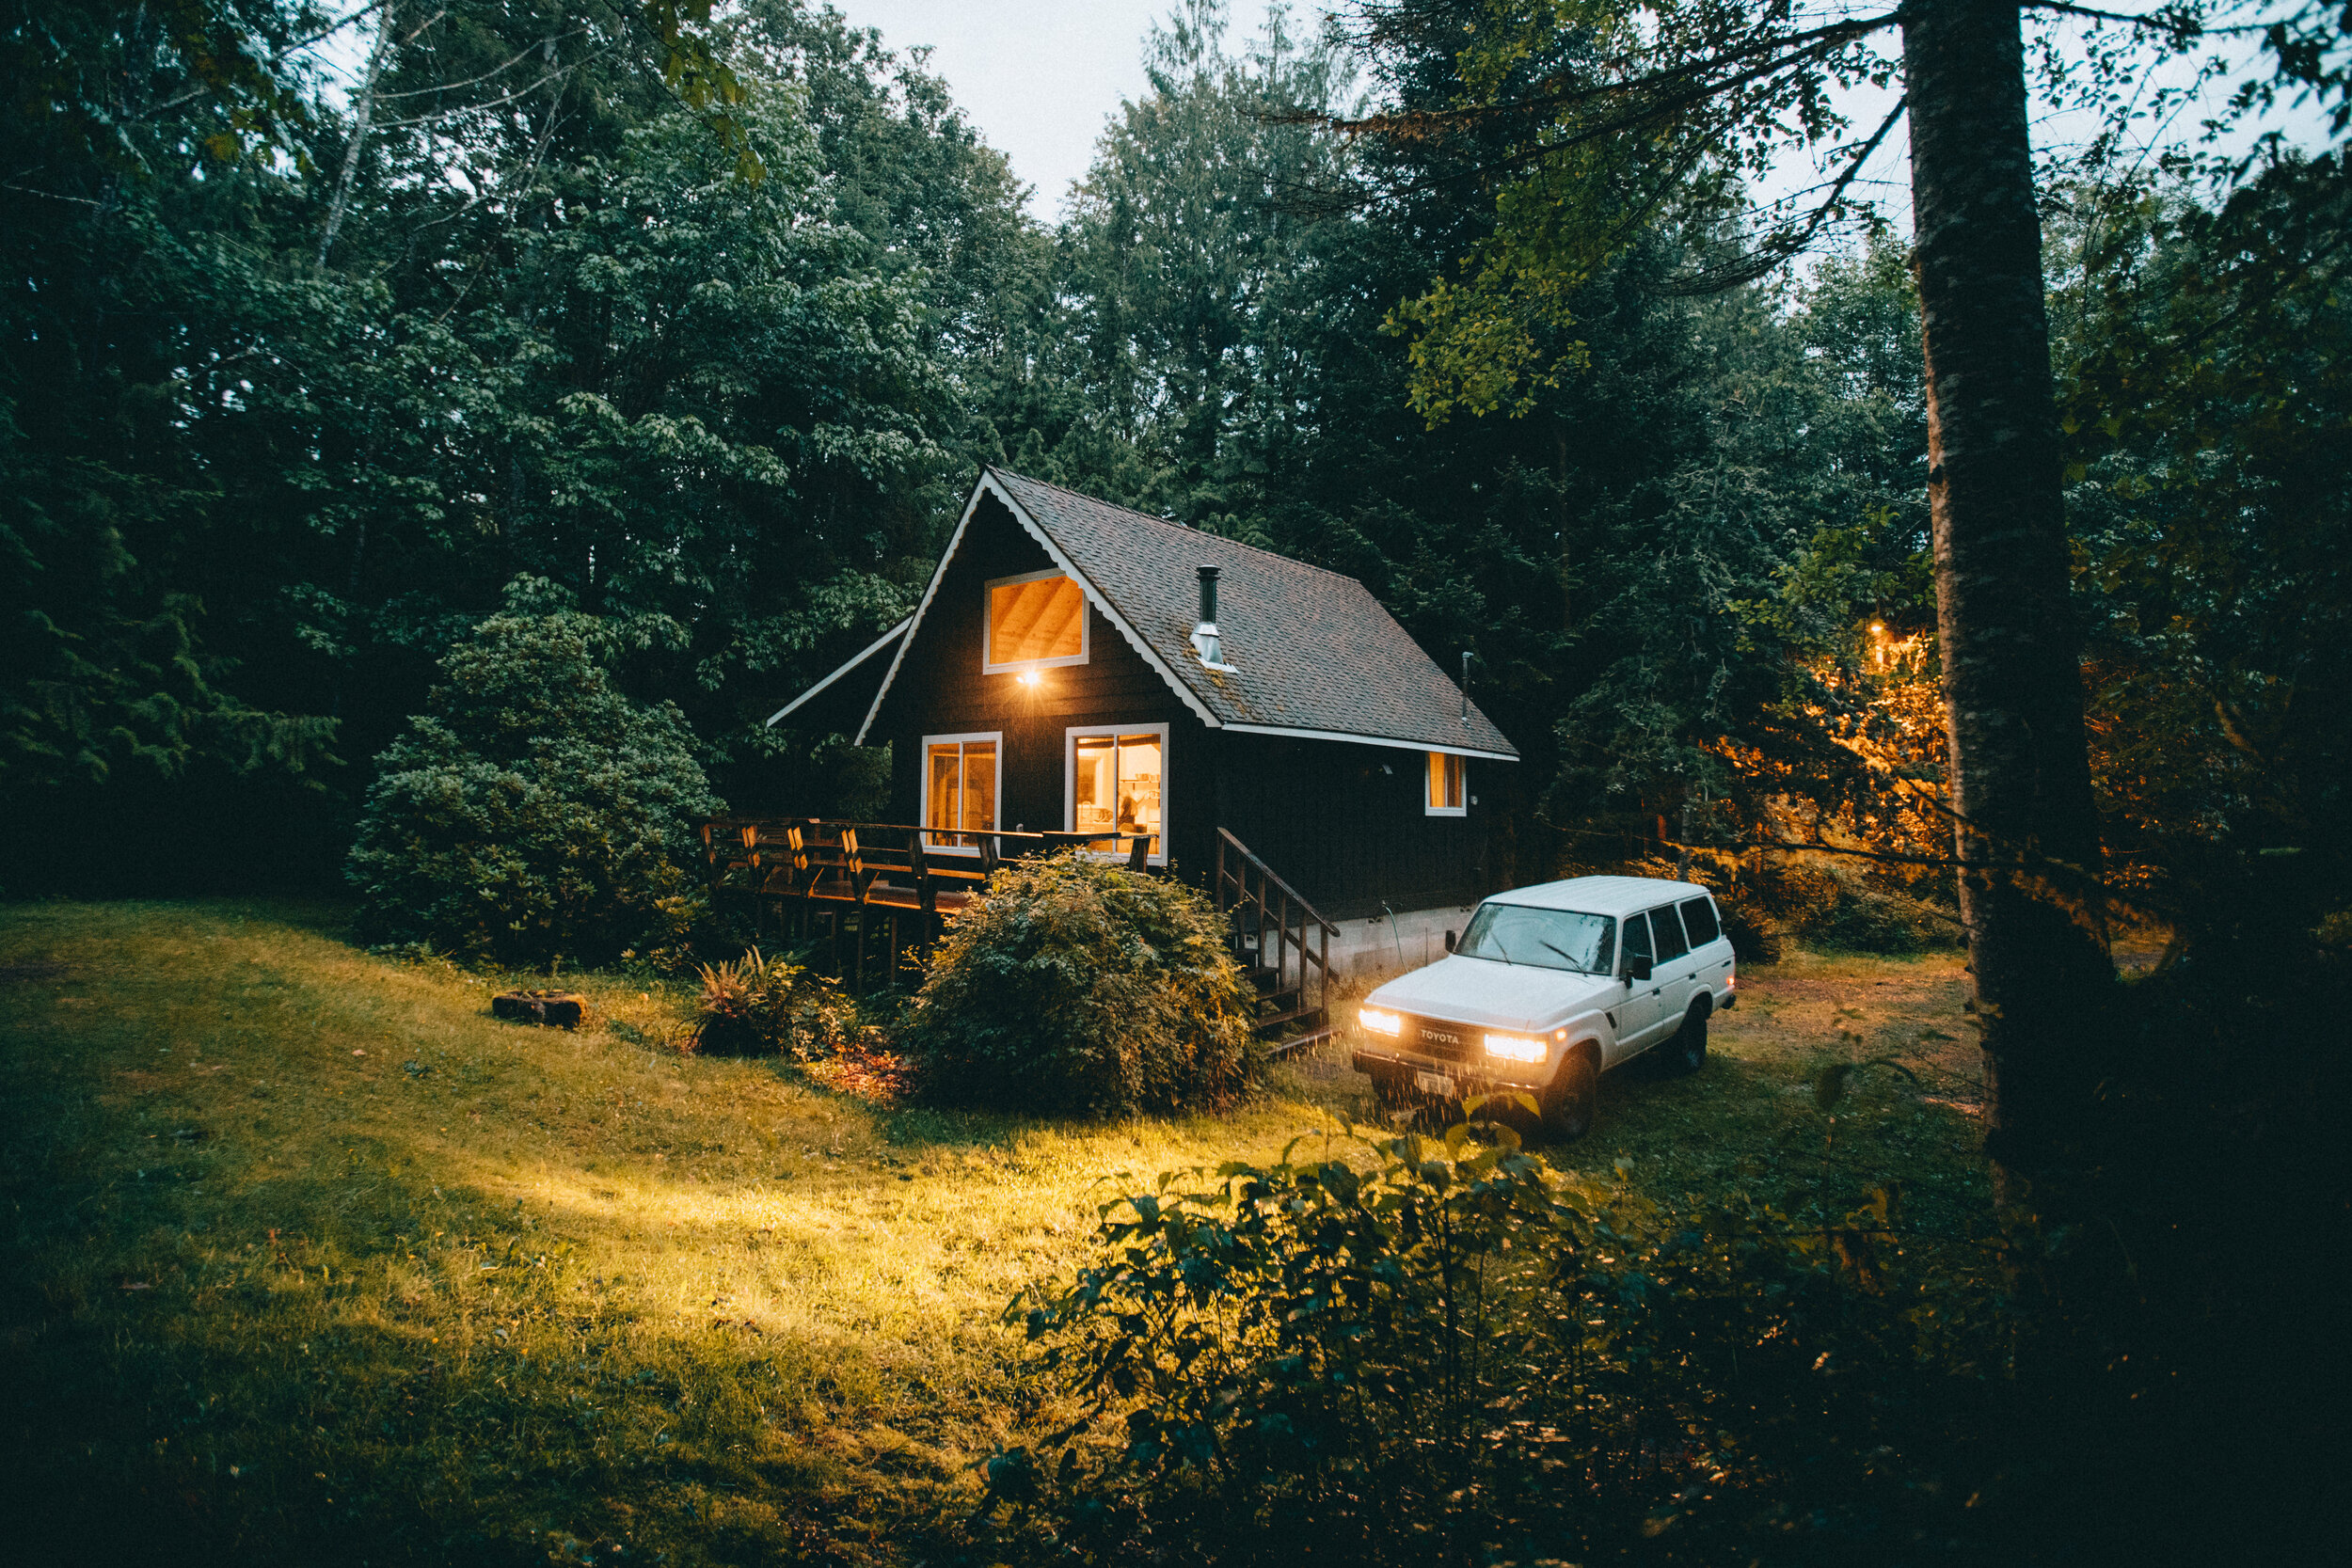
x=312 y=1261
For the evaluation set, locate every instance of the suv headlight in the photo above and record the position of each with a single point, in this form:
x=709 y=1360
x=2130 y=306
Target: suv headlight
x=1381 y=1022
x=1514 y=1048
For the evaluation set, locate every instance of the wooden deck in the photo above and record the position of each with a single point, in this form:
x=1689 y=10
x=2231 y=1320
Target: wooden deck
x=871 y=898
x=874 y=895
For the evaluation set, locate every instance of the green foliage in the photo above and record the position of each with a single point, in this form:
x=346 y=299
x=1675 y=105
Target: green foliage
x=2208 y=407
x=747 y=1004
x=532 y=812
x=756 y=1006
x=1405 y=1351
x=260 y=495
x=1076 y=987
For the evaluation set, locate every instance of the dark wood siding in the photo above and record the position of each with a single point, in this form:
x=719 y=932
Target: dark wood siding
x=1346 y=824
x=941 y=691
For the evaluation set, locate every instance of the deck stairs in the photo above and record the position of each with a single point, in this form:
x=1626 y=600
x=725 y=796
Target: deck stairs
x=1282 y=944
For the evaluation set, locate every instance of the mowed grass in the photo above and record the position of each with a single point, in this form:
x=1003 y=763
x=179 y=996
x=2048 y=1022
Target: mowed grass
x=311 y=1259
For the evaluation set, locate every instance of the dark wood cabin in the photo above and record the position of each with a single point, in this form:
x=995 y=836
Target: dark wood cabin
x=1080 y=667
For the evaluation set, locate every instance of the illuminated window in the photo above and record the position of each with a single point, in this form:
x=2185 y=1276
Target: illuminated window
x=1445 y=785
x=960 y=777
x=1119 y=785
x=1036 y=620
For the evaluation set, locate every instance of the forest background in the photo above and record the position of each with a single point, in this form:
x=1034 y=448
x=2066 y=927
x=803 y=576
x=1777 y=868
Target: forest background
x=551 y=311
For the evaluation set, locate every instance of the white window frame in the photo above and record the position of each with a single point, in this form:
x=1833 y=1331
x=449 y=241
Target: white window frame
x=923 y=792
x=989 y=665
x=1428 y=805
x=1069 y=739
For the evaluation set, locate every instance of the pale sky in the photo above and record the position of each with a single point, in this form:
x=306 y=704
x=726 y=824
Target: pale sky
x=1040 y=77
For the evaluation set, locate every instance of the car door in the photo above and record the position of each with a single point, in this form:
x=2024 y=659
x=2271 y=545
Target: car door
x=1634 y=1017
x=1674 y=973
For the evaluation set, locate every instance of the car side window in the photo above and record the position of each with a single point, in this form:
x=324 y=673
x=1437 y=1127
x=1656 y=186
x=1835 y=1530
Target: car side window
x=1636 y=938
x=1669 y=927
x=1698 y=917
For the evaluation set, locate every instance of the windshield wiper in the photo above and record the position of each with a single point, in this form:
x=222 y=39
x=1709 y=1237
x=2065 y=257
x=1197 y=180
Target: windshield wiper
x=1573 y=965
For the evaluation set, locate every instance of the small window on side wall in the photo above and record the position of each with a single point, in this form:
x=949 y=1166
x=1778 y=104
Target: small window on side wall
x=1035 y=621
x=1445 y=795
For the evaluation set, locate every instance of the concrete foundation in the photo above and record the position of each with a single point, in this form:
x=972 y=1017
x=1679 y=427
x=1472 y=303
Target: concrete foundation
x=1370 y=950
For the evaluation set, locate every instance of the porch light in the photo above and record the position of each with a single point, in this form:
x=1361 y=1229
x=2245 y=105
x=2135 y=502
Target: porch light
x=1032 y=677
x=1514 y=1048
x=1381 y=1022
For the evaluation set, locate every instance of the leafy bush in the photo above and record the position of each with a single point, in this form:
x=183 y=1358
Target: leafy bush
x=756 y=1006
x=1074 y=985
x=747 y=1006
x=1865 y=920
x=1834 y=905
x=532 y=812
x=1754 y=931
x=1417 y=1356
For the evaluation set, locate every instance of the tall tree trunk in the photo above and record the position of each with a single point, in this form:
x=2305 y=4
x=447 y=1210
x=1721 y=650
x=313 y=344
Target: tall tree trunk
x=363 y=116
x=2013 y=680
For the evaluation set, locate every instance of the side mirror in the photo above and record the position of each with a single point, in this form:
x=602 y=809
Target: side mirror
x=1450 y=938
x=1637 y=968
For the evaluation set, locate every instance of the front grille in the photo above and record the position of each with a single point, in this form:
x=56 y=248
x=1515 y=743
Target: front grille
x=1445 y=1041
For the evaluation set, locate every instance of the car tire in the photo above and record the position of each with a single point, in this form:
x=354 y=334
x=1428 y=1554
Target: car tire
x=1687 y=1052
x=1573 y=1101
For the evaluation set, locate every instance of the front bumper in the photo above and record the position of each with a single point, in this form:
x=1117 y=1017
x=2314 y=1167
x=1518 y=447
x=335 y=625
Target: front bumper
x=1468 y=1079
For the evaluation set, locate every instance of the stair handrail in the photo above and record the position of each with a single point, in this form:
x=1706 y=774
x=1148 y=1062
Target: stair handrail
x=1286 y=938
x=1272 y=875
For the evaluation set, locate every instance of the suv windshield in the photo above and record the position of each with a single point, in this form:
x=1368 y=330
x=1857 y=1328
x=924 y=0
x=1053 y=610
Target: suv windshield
x=1547 y=939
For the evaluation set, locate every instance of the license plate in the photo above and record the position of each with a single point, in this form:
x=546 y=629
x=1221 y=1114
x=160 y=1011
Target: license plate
x=1433 y=1083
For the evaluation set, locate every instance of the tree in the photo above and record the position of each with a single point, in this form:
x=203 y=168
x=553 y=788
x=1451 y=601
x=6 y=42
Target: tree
x=531 y=813
x=1607 y=114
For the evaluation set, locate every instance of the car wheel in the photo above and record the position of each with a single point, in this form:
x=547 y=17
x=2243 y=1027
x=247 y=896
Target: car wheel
x=1574 y=1097
x=1687 y=1050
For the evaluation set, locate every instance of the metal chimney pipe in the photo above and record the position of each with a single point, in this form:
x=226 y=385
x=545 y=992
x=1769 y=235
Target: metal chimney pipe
x=1204 y=636
x=1464 y=686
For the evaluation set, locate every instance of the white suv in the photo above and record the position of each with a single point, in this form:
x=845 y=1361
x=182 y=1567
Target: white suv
x=1550 y=986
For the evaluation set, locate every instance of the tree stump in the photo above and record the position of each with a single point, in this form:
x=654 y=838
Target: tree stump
x=566 y=1009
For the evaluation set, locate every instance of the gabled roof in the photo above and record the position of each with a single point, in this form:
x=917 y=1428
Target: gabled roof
x=885 y=640
x=1313 y=654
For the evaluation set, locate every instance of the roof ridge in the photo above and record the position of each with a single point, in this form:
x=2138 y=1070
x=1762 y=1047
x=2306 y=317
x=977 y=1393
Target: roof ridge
x=1170 y=522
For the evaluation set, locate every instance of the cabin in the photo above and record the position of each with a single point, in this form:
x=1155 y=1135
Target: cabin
x=1238 y=718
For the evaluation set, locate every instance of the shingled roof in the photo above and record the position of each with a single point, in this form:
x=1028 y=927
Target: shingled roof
x=1313 y=653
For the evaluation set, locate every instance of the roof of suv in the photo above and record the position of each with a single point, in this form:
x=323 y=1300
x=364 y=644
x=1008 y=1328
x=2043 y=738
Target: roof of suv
x=1600 y=895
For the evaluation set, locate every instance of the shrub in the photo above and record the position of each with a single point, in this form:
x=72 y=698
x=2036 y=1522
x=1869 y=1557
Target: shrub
x=1074 y=985
x=756 y=1006
x=746 y=1006
x=1412 y=1350
x=1756 y=933
x=532 y=812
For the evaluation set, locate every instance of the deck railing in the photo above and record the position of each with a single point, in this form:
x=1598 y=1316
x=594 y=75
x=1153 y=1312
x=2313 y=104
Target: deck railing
x=861 y=882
